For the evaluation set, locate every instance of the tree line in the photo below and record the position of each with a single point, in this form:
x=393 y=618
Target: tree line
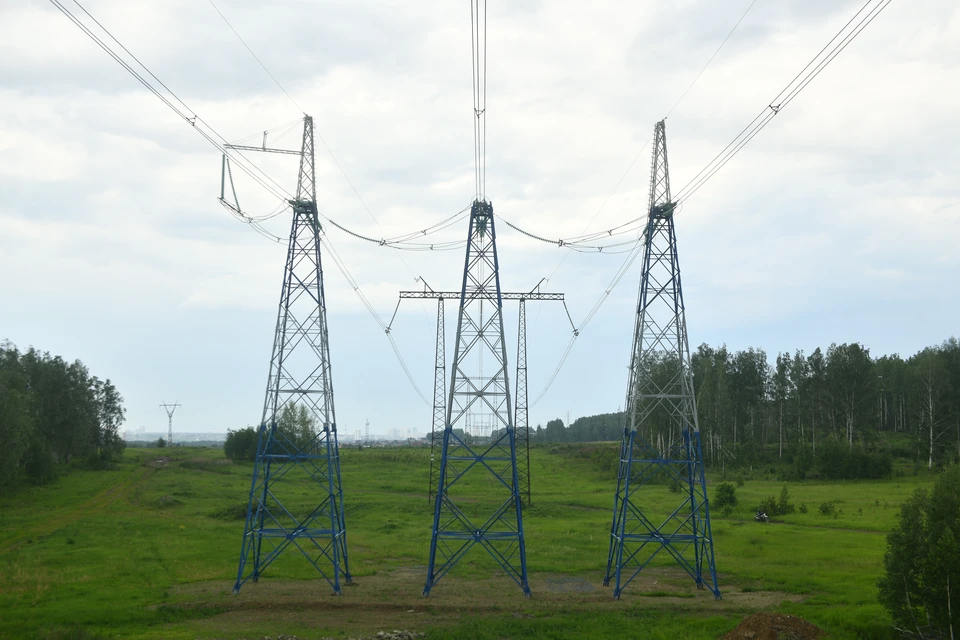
x=53 y=413
x=798 y=408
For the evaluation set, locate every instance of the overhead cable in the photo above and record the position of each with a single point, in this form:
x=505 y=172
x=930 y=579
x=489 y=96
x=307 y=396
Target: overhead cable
x=338 y=261
x=632 y=256
x=839 y=42
x=263 y=66
x=206 y=131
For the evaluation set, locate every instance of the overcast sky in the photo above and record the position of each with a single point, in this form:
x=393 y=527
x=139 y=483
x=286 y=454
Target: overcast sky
x=840 y=222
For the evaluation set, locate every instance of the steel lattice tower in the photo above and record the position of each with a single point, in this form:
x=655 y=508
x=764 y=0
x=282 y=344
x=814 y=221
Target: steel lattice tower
x=660 y=408
x=439 y=412
x=439 y=406
x=522 y=413
x=170 y=408
x=492 y=466
x=296 y=496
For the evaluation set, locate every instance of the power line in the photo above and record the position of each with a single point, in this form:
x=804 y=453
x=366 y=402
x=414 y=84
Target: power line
x=633 y=254
x=317 y=134
x=793 y=88
x=338 y=261
x=687 y=90
x=616 y=187
x=263 y=66
x=785 y=97
x=193 y=119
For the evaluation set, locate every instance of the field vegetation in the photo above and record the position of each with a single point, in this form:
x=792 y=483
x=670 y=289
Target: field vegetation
x=149 y=549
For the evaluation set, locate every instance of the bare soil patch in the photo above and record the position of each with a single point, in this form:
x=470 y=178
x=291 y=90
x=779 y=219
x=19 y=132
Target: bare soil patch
x=393 y=600
x=775 y=626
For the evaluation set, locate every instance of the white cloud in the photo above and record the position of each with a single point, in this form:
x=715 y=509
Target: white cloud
x=846 y=201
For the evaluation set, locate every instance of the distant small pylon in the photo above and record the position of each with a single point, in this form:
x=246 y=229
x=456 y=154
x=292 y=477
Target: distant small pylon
x=170 y=408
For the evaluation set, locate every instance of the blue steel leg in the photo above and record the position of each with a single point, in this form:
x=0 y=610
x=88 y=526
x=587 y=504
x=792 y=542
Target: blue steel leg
x=623 y=509
x=694 y=511
x=261 y=510
x=335 y=548
x=343 y=522
x=616 y=509
x=519 y=505
x=436 y=512
x=247 y=532
x=711 y=560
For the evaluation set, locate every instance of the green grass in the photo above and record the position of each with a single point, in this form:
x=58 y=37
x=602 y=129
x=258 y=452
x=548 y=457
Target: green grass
x=152 y=553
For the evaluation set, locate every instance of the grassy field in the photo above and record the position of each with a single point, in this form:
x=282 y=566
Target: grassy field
x=150 y=551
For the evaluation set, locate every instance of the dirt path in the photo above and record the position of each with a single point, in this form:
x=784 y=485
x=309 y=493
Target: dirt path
x=62 y=517
x=393 y=600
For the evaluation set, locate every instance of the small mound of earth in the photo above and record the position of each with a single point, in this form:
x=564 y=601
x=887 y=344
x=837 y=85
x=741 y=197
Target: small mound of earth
x=775 y=626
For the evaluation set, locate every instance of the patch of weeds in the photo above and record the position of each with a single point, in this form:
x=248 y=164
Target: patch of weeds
x=665 y=594
x=68 y=633
x=237 y=511
x=167 y=501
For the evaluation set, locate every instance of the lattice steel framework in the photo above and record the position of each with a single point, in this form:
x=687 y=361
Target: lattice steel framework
x=296 y=497
x=660 y=408
x=439 y=404
x=522 y=413
x=439 y=382
x=170 y=408
x=491 y=514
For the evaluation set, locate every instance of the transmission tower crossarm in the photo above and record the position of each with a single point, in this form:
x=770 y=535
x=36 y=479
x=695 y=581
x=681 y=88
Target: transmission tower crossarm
x=243 y=147
x=511 y=295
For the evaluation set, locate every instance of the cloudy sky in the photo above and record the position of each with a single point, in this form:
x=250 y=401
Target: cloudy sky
x=840 y=222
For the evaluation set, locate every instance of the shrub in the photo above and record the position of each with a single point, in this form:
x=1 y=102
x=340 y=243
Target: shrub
x=740 y=480
x=922 y=563
x=160 y=443
x=769 y=506
x=725 y=495
x=784 y=506
x=828 y=508
x=803 y=507
x=777 y=506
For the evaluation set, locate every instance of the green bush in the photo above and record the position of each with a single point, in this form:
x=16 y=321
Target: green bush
x=784 y=506
x=769 y=506
x=777 y=506
x=725 y=495
x=241 y=445
x=828 y=508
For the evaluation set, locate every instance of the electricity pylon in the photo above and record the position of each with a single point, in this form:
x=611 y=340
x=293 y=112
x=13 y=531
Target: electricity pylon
x=439 y=404
x=439 y=381
x=298 y=461
x=661 y=436
x=492 y=513
x=170 y=408
x=522 y=412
